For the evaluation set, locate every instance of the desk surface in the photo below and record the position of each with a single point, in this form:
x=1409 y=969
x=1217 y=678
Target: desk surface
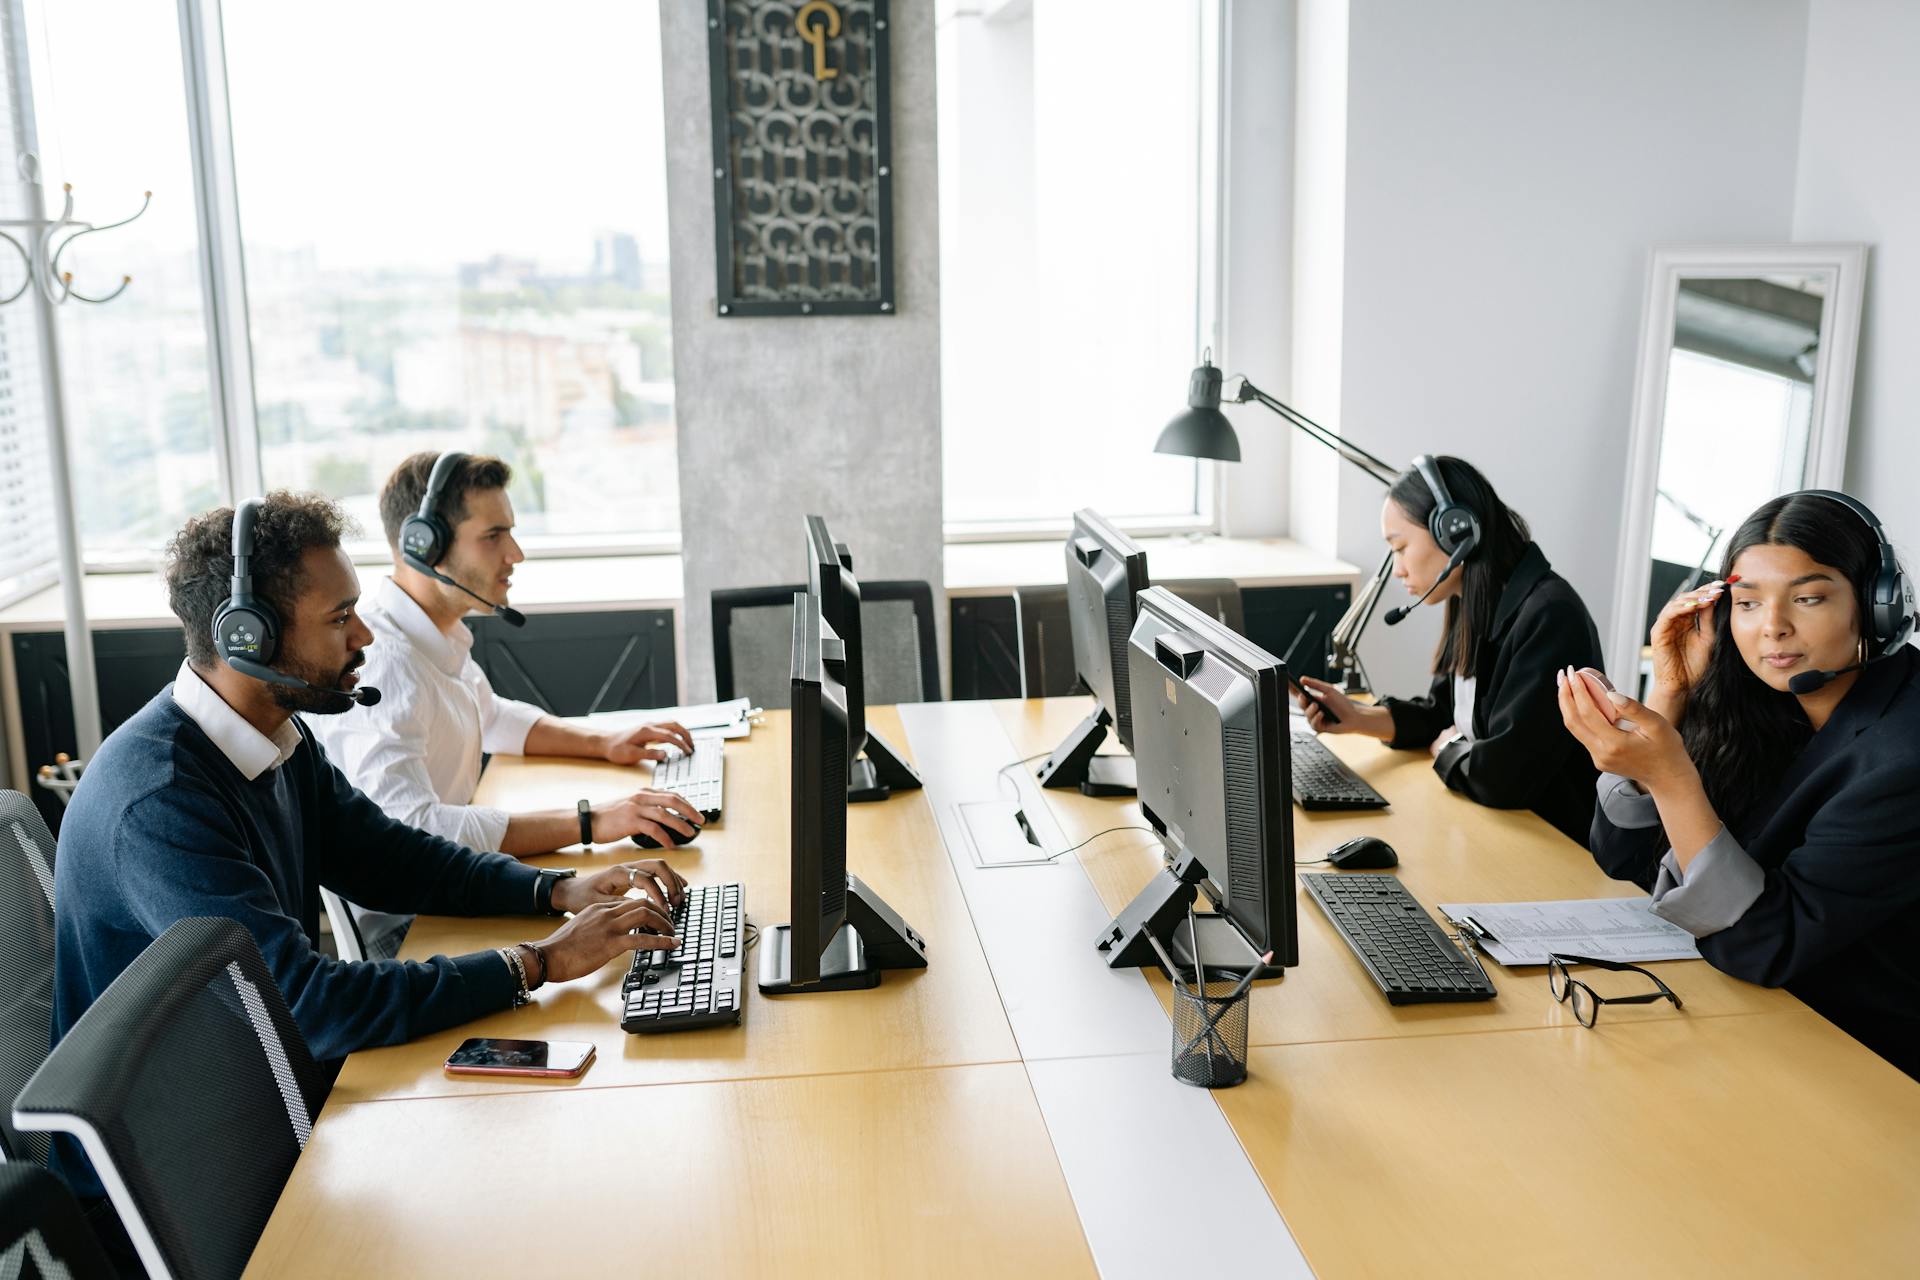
x=1392 y=1140
x=944 y=1015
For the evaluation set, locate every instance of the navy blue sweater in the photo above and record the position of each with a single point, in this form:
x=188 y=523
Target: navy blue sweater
x=164 y=827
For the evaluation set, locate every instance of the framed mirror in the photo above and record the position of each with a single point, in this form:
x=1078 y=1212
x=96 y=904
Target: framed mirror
x=1742 y=392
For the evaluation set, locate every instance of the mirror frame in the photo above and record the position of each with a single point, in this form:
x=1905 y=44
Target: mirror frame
x=1826 y=435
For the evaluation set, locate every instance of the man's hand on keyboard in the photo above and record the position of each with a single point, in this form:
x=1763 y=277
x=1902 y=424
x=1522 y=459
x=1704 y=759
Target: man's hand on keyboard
x=667 y=817
x=656 y=882
x=632 y=746
x=602 y=930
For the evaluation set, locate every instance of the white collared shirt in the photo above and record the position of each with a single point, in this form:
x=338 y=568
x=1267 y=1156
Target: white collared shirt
x=418 y=753
x=245 y=747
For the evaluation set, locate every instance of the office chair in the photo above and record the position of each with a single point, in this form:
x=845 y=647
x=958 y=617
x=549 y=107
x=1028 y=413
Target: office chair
x=1047 y=668
x=26 y=961
x=348 y=944
x=753 y=643
x=191 y=1092
x=42 y=1230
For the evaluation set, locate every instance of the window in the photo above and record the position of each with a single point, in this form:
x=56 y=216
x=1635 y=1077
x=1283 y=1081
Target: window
x=455 y=234
x=111 y=117
x=1074 y=241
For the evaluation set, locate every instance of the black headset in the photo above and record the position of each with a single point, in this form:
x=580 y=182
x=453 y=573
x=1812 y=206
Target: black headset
x=245 y=629
x=1891 y=601
x=1453 y=525
x=425 y=537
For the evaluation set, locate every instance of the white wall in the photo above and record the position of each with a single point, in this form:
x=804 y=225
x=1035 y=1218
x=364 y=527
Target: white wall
x=1859 y=180
x=1507 y=166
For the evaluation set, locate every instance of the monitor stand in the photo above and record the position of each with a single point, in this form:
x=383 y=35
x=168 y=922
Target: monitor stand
x=873 y=938
x=1074 y=764
x=1161 y=911
x=879 y=772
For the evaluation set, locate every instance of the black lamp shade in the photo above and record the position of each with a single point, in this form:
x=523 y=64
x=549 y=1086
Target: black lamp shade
x=1202 y=431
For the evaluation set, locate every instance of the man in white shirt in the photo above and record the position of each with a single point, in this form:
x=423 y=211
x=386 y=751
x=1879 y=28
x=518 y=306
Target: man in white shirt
x=417 y=754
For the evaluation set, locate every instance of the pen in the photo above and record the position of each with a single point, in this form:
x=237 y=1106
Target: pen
x=1480 y=932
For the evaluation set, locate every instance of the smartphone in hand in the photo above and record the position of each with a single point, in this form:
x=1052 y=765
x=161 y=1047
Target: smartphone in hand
x=1307 y=693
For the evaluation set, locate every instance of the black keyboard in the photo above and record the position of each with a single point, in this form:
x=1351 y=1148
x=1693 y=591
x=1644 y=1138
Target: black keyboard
x=1321 y=780
x=697 y=985
x=1398 y=942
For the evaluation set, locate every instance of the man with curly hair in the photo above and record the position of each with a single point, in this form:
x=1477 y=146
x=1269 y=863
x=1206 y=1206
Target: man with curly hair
x=214 y=800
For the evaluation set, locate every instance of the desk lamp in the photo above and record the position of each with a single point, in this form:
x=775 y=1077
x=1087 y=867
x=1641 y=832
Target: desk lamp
x=1202 y=431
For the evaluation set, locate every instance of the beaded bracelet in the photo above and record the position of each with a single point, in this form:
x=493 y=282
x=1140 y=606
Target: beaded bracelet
x=518 y=969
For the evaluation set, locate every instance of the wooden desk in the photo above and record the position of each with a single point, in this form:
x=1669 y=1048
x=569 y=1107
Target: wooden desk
x=1451 y=850
x=880 y=1173
x=1745 y=1134
x=943 y=1015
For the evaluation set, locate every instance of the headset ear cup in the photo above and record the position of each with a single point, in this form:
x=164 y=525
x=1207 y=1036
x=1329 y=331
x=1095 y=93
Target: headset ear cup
x=425 y=538
x=248 y=631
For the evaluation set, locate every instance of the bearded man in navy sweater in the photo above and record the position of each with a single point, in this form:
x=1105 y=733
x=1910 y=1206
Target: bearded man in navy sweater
x=214 y=800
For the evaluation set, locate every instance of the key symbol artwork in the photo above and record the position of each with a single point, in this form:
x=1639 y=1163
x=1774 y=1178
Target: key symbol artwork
x=818 y=33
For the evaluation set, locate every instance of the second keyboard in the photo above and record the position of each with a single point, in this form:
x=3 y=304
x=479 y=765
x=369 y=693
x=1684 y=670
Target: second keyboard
x=698 y=777
x=1403 y=950
x=698 y=983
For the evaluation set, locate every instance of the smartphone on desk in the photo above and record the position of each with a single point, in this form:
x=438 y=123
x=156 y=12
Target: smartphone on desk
x=543 y=1059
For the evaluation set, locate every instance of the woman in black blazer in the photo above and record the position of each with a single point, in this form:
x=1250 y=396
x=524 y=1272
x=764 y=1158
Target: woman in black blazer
x=1490 y=720
x=1767 y=793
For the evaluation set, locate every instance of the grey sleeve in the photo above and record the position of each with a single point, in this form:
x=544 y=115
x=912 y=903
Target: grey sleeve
x=1625 y=804
x=1712 y=893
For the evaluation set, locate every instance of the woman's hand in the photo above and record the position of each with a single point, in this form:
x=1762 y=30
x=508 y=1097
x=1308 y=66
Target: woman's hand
x=1353 y=717
x=1682 y=639
x=1624 y=737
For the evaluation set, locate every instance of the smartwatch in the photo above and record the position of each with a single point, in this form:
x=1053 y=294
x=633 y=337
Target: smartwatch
x=585 y=808
x=543 y=889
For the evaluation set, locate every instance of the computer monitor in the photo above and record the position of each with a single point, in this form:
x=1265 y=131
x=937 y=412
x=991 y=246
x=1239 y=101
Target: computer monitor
x=876 y=770
x=1106 y=572
x=1210 y=740
x=840 y=934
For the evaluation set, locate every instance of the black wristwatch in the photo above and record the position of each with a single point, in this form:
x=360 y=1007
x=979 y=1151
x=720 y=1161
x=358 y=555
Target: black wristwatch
x=543 y=889
x=586 y=823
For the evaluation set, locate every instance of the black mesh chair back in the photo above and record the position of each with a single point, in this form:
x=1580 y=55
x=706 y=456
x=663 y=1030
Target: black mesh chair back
x=43 y=1235
x=753 y=643
x=1047 y=668
x=192 y=1093
x=26 y=961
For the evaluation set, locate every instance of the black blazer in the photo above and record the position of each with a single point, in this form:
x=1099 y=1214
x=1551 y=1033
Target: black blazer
x=1521 y=756
x=1838 y=921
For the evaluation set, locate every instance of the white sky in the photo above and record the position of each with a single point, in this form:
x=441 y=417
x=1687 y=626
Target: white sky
x=410 y=132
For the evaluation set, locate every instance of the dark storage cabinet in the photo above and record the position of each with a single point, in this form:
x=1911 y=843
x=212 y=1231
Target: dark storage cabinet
x=987 y=642
x=129 y=668
x=571 y=664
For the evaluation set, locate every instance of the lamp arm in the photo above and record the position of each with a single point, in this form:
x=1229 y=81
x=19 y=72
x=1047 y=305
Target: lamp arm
x=1378 y=468
x=1343 y=642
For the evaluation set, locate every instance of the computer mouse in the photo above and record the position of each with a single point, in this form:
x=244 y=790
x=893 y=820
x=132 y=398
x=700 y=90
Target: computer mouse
x=646 y=841
x=1366 y=853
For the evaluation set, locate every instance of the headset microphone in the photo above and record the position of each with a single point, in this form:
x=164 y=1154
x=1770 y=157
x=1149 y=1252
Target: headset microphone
x=425 y=538
x=511 y=616
x=1396 y=615
x=366 y=697
x=1814 y=681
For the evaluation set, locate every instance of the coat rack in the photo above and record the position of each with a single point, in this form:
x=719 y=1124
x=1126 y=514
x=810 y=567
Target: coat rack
x=41 y=254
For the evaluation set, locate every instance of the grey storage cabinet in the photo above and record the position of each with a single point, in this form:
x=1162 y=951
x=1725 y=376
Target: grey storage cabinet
x=571 y=664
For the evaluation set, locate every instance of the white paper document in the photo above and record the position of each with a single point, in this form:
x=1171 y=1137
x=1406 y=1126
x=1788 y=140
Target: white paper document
x=1521 y=933
x=708 y=719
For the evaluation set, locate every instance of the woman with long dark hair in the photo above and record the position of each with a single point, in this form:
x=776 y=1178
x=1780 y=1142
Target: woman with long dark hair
x=1767 y=793
x=1489 y=720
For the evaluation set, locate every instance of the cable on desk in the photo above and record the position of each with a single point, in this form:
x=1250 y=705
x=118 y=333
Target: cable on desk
x=1000 y=774
x=1050 y=858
